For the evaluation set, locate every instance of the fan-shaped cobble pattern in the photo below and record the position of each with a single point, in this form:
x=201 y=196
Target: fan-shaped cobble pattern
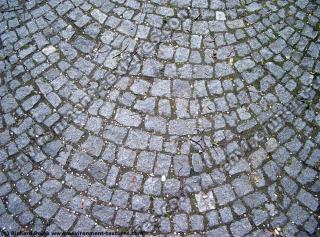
x=171 y=117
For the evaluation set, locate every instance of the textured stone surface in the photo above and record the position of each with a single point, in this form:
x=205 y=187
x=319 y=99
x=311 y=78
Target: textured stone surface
x=204 y=113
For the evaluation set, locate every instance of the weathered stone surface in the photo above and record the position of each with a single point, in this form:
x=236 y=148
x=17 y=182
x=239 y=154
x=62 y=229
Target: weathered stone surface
x=175 y=117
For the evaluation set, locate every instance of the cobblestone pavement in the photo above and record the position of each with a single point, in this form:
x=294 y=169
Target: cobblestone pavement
x=110 y=108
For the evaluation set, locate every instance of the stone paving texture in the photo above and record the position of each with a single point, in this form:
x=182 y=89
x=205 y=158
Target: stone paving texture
x=111 y=108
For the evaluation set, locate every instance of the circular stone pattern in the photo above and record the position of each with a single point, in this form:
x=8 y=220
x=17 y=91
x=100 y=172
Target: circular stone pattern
x=170 y=117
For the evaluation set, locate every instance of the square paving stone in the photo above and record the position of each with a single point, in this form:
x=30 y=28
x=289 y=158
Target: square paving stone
x=131 y=181
x=212 y=218
x=255 y=199
x=146 y=161
x=84 y=45
x=226 y=215
x=128 y=118
x=64 y=219
x=93 y=145
x=308 y=200
x=205 y=201
x=151 y=68
x=120 y=198
x=123 y=218
x=181 y=165
x=141 y=202
x=171 y=186
x=50 y=187
x=137 y=139
x=100 y=191
x=15 y=205
x=80 y=161
x=196 y=222
x=224 y=194
x=180 y=222
x=152 y=186
x=161 y=88
x=103 y=213
x=297 y=214
x=115 y=134
x=126 y=157
x=84 y=224
x=242 y=185
x=259 y=216
x=47 y=209
x=99 y=170
x=162 y=164
x=241 y=228
x=221 y=231
x=165 y=52
x=181 y=89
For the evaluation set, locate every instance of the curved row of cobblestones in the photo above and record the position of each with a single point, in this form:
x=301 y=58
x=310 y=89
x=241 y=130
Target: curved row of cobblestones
x=175 y=117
